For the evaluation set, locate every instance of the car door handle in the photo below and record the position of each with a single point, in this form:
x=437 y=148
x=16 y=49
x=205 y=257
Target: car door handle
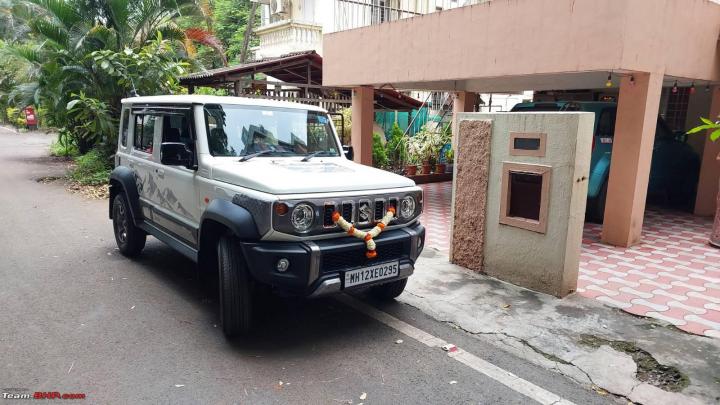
x=160 y=172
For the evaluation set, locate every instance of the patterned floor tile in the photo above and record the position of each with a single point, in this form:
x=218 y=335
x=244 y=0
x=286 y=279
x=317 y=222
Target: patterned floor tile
x=672 y=275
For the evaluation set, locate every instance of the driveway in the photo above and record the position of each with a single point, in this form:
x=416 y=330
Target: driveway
x=80 y=318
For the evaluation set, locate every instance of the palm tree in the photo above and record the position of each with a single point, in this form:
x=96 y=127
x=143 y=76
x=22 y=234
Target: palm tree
x=63 y=34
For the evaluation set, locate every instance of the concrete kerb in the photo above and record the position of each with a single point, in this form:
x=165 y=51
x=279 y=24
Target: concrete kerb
x=549 y=332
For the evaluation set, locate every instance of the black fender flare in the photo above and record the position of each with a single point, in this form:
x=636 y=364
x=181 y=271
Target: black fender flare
x=122 y=179
x=219 y=217
x=234 y=217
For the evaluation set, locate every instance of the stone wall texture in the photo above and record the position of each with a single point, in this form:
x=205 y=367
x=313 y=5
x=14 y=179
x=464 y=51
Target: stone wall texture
x=472 y=165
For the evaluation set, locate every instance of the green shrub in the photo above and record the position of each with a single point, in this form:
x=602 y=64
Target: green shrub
x=64 y=145
x=379 y=154
x=63 y=150
x=16 y=117
x=397 y=146
x=91 y=168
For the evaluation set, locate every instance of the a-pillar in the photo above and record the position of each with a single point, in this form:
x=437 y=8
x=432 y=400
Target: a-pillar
x=464 y=102
x=363 y=116
x=710 y=169
x=637 y=112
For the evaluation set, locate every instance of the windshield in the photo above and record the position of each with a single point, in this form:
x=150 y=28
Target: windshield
x=236 y=130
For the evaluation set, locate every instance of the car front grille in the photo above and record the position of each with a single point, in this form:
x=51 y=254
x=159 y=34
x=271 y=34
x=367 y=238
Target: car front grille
x=328 y=210
x=348 y=259
x=379 y=209
x=347 y=211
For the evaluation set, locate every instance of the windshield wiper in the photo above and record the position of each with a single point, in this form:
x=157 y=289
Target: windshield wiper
x=252 y=155
x=312 y=155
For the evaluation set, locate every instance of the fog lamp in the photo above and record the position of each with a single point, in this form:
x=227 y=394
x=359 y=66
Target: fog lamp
x=282 y=265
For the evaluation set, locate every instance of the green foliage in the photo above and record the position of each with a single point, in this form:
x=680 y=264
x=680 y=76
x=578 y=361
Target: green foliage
x=397 y=146
x=379 y=155
x=449 y=155
x=149 y=70
x=66 y=56
x=63 y=146
x=92 y=168
x=230 y=20
x=90 y=121
x=347 y=129
x=708 y=125
x=15 y=117
x=427 y=144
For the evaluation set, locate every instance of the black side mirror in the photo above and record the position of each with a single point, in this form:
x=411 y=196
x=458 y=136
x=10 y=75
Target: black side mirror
x=176 y=154
x=349 y=153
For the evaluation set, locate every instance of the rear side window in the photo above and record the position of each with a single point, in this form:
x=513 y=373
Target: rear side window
x=144 y=133
x=606 y=123
x=176 y=128
x=125 y=122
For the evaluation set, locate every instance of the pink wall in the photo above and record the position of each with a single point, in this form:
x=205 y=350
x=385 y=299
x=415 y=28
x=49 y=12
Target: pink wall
x=530 y=41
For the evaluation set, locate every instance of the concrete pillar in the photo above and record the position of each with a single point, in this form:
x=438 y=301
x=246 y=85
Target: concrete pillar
x=710 y=169
x=637 y=114
x=363 y=116
x=464 y=102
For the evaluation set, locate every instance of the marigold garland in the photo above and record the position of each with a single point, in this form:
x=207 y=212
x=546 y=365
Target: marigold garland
x=366 y=236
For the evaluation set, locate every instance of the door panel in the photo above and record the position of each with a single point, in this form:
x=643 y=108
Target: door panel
x=173 y=195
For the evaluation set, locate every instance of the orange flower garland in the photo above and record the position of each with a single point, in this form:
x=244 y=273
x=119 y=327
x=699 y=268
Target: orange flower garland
x=366 y=236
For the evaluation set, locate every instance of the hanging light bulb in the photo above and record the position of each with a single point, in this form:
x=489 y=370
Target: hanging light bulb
x=692 y=88
x=707 y=88
x=632 y=80
x=675 y=87
x=609 y=82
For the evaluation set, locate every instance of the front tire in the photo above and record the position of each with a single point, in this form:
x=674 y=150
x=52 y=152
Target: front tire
x=596 y=206
x=130 y=239
x=389 y=291
x=235 y=288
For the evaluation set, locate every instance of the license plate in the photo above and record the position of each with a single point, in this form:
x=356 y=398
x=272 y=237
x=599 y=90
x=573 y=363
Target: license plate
x=371 y=273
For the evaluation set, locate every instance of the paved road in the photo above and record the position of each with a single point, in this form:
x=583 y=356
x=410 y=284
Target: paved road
x=80 y=318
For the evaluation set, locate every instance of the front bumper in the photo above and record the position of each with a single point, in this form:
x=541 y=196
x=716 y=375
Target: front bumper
x=317 y=267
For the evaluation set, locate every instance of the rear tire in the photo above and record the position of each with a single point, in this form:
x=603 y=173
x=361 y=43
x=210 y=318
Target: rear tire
x=596 y=206
x=389 y=291
x=235 y=288
x=130 y=239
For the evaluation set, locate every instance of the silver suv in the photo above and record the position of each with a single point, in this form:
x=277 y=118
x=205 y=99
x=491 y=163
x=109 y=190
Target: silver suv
x=263 y=193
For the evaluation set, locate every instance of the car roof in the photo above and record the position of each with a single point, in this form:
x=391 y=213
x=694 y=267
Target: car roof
x=587 y=104
x=203 y=99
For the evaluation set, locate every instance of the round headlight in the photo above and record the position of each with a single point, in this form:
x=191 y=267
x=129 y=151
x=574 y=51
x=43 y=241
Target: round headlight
x=407 y=207
x=302 y=217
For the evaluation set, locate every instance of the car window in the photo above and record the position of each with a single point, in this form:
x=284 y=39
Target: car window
x=606 y=123
x=176 y=128
x=242 y=130
x=125 y=122
x=144 y=132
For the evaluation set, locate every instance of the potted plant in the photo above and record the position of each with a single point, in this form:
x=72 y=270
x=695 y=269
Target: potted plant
x=440 y=167
x=420 y=147
x=714 y=128
x=449 y=159
x=411 y=166
x=415 y=150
